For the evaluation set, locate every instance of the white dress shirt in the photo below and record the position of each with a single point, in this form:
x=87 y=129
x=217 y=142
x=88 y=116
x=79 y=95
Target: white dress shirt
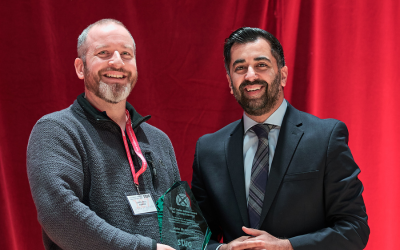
x=250 y=141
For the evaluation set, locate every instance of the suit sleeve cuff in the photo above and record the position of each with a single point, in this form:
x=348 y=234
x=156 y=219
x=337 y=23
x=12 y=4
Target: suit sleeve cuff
x=219 y=246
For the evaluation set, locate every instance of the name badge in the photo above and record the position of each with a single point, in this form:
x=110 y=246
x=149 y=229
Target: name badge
x=141 y=204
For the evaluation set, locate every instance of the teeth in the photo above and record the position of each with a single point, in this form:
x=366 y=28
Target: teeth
x=252 y=89
x=115 y=76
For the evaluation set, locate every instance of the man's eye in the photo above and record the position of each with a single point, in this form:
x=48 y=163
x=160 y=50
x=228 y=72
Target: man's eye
x=238 y=68
x=262 y=65
x=125 y=53
x=102 y=52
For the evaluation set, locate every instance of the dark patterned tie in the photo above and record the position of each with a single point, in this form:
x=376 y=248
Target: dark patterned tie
x=259 y=174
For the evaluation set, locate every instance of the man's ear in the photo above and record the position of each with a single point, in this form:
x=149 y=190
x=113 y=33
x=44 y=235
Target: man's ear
x=284 y=75
x=230 y=82
x=79 y=68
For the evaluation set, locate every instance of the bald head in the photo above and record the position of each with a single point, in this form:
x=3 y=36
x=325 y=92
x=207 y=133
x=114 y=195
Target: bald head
x=83 y=46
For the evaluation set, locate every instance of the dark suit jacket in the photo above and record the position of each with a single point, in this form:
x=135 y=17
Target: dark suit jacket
x=313 y=195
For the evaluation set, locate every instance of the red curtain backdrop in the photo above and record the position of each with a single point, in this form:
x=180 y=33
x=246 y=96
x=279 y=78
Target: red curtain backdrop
x=342 y=58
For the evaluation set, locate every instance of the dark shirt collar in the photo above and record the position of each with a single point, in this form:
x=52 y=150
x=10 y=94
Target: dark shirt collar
x=136 y=118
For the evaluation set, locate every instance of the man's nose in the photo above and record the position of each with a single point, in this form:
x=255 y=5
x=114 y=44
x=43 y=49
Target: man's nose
x=250 y=74
x=116 y=60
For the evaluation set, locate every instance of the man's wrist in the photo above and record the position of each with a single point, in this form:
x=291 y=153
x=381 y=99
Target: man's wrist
x=287 y=244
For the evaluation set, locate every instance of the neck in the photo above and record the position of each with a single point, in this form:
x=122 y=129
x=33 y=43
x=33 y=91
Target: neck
x=116 y=111
x=262 y=118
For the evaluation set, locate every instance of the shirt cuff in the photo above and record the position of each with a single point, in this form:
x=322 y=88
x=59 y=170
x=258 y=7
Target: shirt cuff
x=153 y=245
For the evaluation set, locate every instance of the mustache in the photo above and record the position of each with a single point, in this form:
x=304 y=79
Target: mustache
x=258 y=82
x=113 y=69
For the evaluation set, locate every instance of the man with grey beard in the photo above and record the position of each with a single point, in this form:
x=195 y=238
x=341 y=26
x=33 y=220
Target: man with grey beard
x=278 y=179
x=97 y=168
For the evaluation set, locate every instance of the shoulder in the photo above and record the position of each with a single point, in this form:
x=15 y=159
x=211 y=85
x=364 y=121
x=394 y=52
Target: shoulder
x=309 y=122
x=53 y=135
x=152 y=136
x=65 y=126
x=62 y=118
x=224 y=132
x=214 y=142
x=152 y=132
x=69 y=115
x=316 y=132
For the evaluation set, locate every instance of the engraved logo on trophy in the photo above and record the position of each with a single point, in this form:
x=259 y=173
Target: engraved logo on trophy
x=182 y=200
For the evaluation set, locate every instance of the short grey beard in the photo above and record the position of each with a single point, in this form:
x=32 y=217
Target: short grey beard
x=113 y=93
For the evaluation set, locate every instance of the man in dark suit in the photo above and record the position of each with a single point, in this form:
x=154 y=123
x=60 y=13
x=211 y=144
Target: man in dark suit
x=278 y=178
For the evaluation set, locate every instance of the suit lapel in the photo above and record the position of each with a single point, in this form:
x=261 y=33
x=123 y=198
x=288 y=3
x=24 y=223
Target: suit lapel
x=234 y=159
x=289 y=137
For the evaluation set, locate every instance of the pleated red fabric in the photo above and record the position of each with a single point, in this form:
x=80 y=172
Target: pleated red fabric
x=342 y=59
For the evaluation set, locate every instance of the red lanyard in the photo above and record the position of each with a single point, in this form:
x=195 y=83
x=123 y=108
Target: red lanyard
x=136 y=147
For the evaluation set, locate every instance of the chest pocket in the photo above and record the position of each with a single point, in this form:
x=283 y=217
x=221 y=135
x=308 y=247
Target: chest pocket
x=301 y=176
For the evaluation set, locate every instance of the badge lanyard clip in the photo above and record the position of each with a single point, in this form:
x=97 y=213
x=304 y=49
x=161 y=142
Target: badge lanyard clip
x=137 y=188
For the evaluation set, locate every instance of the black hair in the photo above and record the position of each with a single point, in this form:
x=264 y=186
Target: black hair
x=246 y=35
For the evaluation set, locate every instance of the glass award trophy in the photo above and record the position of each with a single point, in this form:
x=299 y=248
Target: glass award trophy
x=181 y=223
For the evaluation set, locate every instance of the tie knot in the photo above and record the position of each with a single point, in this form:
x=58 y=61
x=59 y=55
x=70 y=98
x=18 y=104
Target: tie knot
x=262 y=130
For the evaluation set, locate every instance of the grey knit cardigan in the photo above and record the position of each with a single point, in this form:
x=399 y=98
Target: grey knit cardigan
x=80 y=176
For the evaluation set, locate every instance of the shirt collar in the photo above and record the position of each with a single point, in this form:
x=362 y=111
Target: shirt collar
x=136 y=118
x=274 y=119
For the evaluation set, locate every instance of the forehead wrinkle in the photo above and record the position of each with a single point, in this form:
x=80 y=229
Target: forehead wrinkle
x=104 y=28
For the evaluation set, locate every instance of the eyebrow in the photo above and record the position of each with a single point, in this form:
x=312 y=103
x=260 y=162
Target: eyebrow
x=260 y=58
x=101 y=46
x=238 y=61
x=126 y=46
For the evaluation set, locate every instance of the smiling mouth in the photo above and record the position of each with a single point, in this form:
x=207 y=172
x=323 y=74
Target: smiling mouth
x=114 y=76
x=252 y=88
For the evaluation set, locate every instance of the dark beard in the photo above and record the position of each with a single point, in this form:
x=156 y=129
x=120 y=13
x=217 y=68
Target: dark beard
x=265 y=103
